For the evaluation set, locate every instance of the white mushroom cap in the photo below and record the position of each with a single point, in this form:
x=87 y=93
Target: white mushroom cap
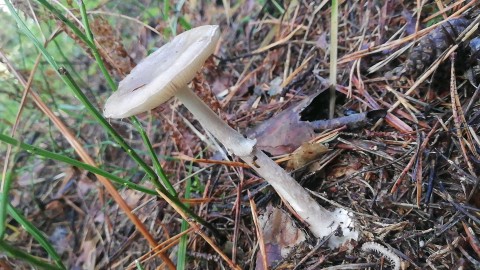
x=156 y=78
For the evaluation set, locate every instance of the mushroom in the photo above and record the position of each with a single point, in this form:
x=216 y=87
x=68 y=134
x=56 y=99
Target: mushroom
x=167 y=73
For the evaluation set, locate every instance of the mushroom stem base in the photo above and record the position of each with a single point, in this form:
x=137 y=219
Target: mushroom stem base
x=320 y=221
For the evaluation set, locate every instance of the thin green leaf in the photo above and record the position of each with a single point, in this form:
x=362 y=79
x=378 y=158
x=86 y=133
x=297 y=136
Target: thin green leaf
x=182 y=246
x=36 y=234
x=4 y=203
x=68 y=80
x=135 y=121
x=33 y=260
x=50 y=155
x=333 y=57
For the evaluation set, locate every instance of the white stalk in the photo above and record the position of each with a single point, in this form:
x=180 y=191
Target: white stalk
x=230 y=138
x=320 y=221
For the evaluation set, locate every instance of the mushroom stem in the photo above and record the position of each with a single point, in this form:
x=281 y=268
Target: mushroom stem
x=319 y=220
x=230 y=138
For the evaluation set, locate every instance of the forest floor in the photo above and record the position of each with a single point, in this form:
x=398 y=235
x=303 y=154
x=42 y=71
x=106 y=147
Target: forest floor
x=402 y=152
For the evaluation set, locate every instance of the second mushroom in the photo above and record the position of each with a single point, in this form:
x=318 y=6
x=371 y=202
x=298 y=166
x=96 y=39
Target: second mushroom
x=167 y=73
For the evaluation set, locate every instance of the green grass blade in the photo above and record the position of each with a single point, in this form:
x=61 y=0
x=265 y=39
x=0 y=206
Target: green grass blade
x=50 y=155
x=333 y=57
x=113 y=86
x=44 y=153
x=182 y=246
x=68 y=80
x=33 y=260
x=93 y=47
x=153 y=156
x=66 y=21
x=4 y=202
x=36 y=234
x=90 y=42
x=166 y=9
x=138 y=265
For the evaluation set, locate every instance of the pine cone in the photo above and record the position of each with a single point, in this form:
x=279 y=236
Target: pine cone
x=434 y=44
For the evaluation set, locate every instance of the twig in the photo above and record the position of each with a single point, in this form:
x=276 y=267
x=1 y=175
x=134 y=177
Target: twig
x=412 y=160
x=458 y=117
x=261 y=239
x=199 y=231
